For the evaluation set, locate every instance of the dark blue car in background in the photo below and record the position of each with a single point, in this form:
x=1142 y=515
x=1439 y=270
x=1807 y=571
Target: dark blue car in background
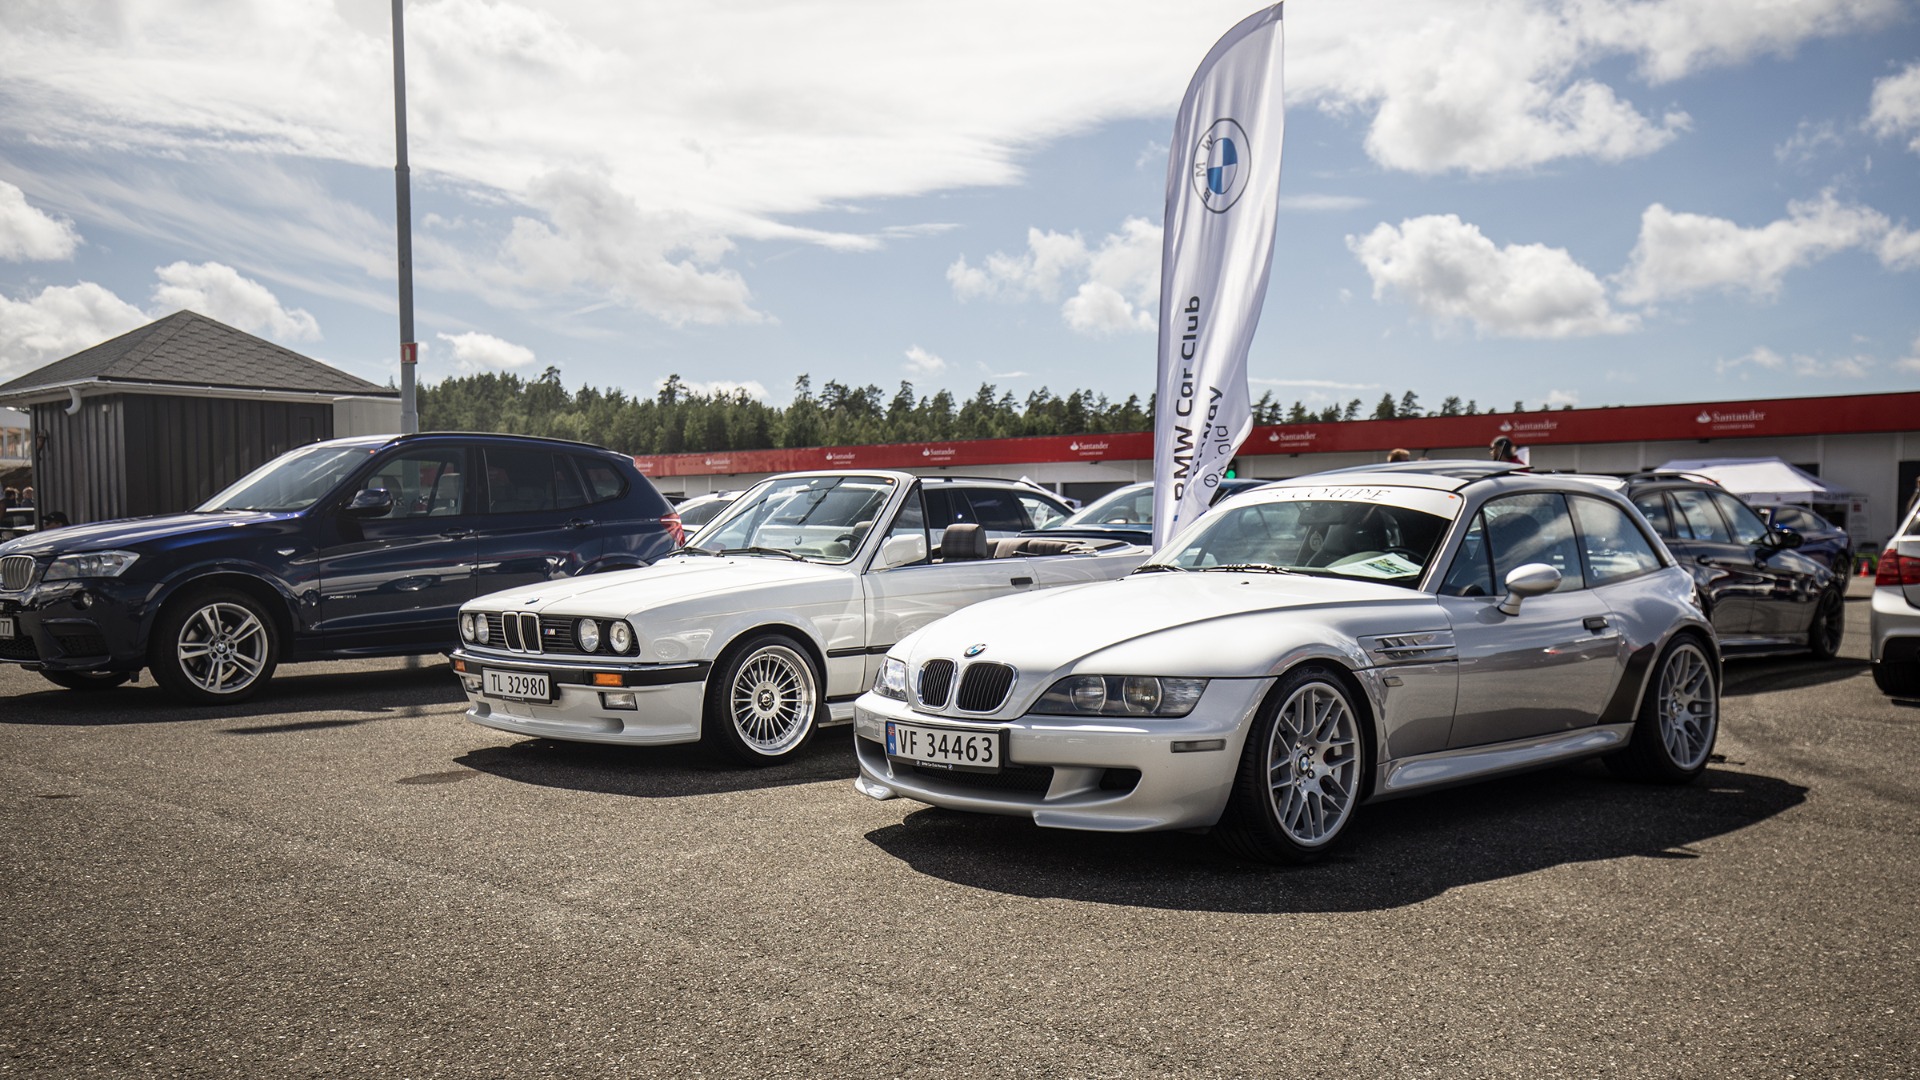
x=349 y=548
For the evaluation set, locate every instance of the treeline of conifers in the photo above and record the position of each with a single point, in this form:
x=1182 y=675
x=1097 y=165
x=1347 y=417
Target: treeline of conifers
x=678 y=419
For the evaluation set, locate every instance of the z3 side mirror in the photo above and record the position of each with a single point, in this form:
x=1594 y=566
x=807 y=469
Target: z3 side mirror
x=373 y=502
x=1531 y=579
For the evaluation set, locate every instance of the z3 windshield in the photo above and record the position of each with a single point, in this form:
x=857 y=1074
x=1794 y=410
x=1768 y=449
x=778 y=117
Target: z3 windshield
x=1372 y=541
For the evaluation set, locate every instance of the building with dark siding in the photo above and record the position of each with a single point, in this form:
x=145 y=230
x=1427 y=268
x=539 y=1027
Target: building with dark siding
x=160 y=418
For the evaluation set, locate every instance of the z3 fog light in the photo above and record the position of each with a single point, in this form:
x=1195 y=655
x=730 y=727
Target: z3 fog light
x=626 y=701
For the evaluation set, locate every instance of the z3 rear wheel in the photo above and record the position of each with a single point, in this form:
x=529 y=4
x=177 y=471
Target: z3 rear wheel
x=1679 y=719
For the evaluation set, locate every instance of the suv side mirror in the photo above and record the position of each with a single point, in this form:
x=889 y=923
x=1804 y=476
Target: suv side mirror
x=373 y=502
x=1532 y=579
x=1783 y=537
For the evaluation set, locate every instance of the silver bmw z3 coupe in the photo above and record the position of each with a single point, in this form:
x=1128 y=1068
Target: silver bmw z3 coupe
x=1304 y=650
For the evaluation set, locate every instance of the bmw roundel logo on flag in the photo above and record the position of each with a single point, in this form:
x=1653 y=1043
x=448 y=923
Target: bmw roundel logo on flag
x=1220 y=167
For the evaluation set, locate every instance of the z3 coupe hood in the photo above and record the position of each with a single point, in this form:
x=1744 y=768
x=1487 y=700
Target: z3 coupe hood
x=141 y=534
x=1215 y=624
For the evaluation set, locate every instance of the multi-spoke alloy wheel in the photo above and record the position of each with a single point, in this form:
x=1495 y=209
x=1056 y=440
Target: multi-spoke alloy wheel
x=1301 y=774
x=1313 y=764
x=1679 y=718
x=214 y=647
x=1688 y=706
x=766 y=703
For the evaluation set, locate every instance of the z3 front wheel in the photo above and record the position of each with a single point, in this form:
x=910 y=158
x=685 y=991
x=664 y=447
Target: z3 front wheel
x=1301 y=772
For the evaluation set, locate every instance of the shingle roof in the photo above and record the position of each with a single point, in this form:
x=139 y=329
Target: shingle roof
x=189 y=349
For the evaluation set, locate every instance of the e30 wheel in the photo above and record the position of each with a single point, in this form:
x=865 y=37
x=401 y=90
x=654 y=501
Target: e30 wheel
x=1301 y=773
x=765 y=704
x=214 y=647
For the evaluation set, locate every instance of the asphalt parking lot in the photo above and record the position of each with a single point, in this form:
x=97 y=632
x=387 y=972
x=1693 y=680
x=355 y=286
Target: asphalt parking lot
x=345 y=878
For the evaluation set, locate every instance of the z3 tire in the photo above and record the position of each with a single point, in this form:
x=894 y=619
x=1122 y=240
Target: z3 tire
x=1300 y=774
x=1897 y=680
x=765 y=704
x=1678 y=721
x=1829 y=626
x=214 y=647
x=88 y=681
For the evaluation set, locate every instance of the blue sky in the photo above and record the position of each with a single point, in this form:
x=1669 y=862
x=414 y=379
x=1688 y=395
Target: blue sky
x=1578 y=203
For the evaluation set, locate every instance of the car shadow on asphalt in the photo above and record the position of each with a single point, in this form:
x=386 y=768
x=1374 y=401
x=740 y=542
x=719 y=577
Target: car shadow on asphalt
x=363 y=695
x=1395 y=854
x=1745 y=676
x=658 y=772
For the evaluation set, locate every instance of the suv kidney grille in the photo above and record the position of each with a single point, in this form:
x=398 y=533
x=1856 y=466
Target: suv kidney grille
x=16 y=572
x=984 y=687
x=936 y=682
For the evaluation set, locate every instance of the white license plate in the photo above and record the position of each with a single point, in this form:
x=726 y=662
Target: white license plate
x=966 y=751
x=519 y=685
x=6 y=627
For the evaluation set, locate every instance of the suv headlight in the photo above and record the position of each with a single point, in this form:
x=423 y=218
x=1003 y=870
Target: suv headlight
x=90 y=564
x=1121 y=695
x=892 y=680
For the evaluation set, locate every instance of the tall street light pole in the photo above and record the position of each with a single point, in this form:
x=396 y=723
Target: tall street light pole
x=403 y=215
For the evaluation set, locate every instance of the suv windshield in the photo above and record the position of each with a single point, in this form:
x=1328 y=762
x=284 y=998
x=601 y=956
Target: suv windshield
x=813 y=517
x=293 y=481
x=1379 y=539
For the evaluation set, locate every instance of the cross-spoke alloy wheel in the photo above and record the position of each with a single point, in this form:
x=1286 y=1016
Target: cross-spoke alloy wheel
x=1679 y=718
x=1301 y=773
x=214 y=647
x=767 y=701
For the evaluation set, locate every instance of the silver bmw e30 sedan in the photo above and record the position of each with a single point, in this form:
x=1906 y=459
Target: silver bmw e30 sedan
x=1310 y=647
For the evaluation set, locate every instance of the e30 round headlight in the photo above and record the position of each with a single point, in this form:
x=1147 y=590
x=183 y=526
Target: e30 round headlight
x=466 y=627
x=620 y=636
x=480 y=631
x=588 y=635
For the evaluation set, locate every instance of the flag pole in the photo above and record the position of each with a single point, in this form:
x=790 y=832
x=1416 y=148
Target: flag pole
x=403 y=220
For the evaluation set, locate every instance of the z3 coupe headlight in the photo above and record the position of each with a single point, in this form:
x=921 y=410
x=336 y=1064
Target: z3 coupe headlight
x=92 y=564
x=1120 y=695
x=892 y=680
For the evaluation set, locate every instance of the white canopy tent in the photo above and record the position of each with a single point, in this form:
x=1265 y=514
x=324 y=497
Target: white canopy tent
x=1764 y=481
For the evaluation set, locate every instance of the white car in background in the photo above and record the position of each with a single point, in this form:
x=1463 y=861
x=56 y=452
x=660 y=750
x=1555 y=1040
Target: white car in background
x=772 y=620
x=1895 y=619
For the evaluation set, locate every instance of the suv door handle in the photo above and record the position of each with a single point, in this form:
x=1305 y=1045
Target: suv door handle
x=458 y=534
x=579 y=523
x=1595 y=623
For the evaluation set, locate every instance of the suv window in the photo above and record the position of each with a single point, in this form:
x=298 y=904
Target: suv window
x=1703 y=521
x=1747 y=526
x=522 y=480
x=423 y=483
x=997 y=511
x=1615 y=547
x=604 y=482
x=1654 y=505
x=1041 y=512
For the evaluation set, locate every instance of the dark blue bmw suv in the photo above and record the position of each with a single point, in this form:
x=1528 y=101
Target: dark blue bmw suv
x=348 y=548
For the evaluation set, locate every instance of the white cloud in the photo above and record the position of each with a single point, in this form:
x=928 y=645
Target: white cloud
x=218 y=291
x=1895 y=109
x=922 y=362
x=1910 y=362
x=1800 y=364
x=1314 y=203
x=29 y=234
x=475 y=352
x=720 y=388
x=1678 y=254
x=1558 y=398
x=1808 y=141
x=1448 y=270
x=60 y=321
x=1900 y=249
x=1118 y=287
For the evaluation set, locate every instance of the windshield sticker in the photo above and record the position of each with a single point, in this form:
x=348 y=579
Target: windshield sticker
x=1443 y=504
x=1385 y=566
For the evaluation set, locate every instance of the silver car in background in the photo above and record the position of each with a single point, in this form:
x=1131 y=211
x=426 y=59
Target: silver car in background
x=1895 y=622
x=1309 y=647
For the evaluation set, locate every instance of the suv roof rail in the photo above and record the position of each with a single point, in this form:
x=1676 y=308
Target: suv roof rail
x=510 y=435
x=1675 y=474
